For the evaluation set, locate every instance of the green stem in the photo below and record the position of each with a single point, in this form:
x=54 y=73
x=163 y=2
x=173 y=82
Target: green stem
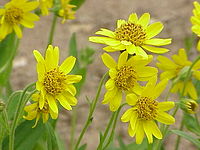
x=73 y=127
x=178 y=137
x=15 y=121
x=197 y=121
x=52 y=30
x=106 y=131
x=113 y=128
x=5 y=117
x=93 y=106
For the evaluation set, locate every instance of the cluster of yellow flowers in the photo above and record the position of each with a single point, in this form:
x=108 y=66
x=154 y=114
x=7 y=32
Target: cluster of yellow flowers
x=16 y=13
x=132 y=37
x=54 y=84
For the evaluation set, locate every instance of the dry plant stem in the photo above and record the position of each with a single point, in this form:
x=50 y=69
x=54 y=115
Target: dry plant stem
x=113 y=127
x=106 y=131
x=92 y=108
x=52 y=30
x=15 y=121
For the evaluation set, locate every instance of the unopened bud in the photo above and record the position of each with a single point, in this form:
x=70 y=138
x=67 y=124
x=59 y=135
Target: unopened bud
x=189 y=105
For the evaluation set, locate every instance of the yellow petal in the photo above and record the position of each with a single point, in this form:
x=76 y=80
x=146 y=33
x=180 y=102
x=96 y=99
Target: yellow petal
x=139 y=133
x=191 y=90
x=146 y=72
x=154 y=29
x=106 y=32
x=155 y=49
x=133 y=18
x=157 y=42
x=53 y=114
x=198 y=46
x=109 y=96
x=110 y=84
x=52 y=103
x=122 y=59
x=148 y=131
x=131 y=49
x=108 y=61
x=68 y=64
x=110 y=49
x=51 y=57
x=168 y=74
x=70 y=98
x=38 y=56
x=63 y=102
x=165 y=106
x=120 y=22
x=116 y=101
x=73 y=78
x=131 y=99
x=17 y=31
x=144 y=20
x=165 y=118
x=71 y=89
x=112 y=73
x=155 y=130
x=133 y=121
x=29 y=6
x=139 y=51
x=159 y=88
x=127 y=115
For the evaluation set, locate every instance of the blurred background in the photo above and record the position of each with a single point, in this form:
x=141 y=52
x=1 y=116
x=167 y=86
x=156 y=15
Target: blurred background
x=94 y=14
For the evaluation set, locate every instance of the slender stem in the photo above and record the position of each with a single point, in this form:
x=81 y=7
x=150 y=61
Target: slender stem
x=106 y=131
x=73 y=127
x=93 y=106
x=15 y=121
x=178 y=137
x=52 y=30
x=113 y=128
x=5 y=117
x=197 y=121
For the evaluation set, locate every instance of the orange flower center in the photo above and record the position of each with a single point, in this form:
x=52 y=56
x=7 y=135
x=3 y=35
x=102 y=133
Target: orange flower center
x=13 y=15
x=131 y=32
x=147 y=108
x=54 y=81
x=126 y=78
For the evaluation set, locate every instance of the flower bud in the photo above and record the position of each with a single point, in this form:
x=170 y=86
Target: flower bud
x=189 y=105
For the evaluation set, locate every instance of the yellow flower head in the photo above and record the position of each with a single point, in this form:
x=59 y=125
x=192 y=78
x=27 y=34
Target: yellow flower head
x=34 y=111
x=15 y=13
x=145 y=110
x=195 y=20
x=45 y=5
x=124 y=76
x=66 y=11
x=54 y=83
x=178 y=68
x=133 y=36
x=189 y=105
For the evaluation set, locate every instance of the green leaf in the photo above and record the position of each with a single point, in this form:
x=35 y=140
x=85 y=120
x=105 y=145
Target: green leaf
x=188 y=137
x=83 y=147
x=7 y=53
x=78 y=3
x=191 y=124
x=26 y=136
x=73 y=46
x=189 y=42
x=121 y=144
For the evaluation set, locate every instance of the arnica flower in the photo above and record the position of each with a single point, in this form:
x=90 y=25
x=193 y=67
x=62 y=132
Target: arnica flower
x=35 y=112
x=133 y=36
x=54 y=83
x=15 y=13
x=146 y=110
x=66 y=11
x=189 y=105
x=45 y=5
x=177 y=69
x=195 y=20
x=124 y=77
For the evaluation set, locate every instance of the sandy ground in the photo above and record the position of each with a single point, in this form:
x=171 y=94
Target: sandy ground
x=94 y=14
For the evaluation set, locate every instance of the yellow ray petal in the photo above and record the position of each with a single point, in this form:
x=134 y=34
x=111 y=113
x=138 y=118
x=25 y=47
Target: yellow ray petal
x=165 y=106
x=165 y=118
x=131 y=99
x=144 y=20
x=68 y=64
x=127 y=115
x=155 y=49
x=157 y=42
x=122 y=59
x=108 y=61
x=63 y=101
x=133 y=18
x=73 y=78
x=154 y=29
x=52 y=103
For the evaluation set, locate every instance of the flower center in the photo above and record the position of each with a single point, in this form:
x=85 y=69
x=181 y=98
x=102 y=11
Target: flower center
x=126 y=78
x=54 y=81
x=147 y=108
x=13 y=15
x=131 y=32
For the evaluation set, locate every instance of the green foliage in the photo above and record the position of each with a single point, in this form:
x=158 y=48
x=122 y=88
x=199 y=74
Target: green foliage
x=188 y=137
x=84 y=58
x=189 y=41
x=191 y=124
x=25 y=136
x=78 y=3
x=83 y=147
x=7 y=48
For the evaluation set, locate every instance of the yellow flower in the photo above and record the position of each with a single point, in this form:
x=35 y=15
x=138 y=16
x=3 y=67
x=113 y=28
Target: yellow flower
x=195 y=20
x=145 y=110
x=54 y=81
x=15 y=13
x=133 y=36
x=34 y=111
x=178 y=68
x=189 y=105
x=124 y=76
x=45 y=5
x=66 y=11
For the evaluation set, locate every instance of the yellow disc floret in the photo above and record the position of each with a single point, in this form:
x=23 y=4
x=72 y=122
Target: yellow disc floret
x=131 y=32
x=13 y=15
x=126 y=78
x=53 y=81
x=147 y=108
